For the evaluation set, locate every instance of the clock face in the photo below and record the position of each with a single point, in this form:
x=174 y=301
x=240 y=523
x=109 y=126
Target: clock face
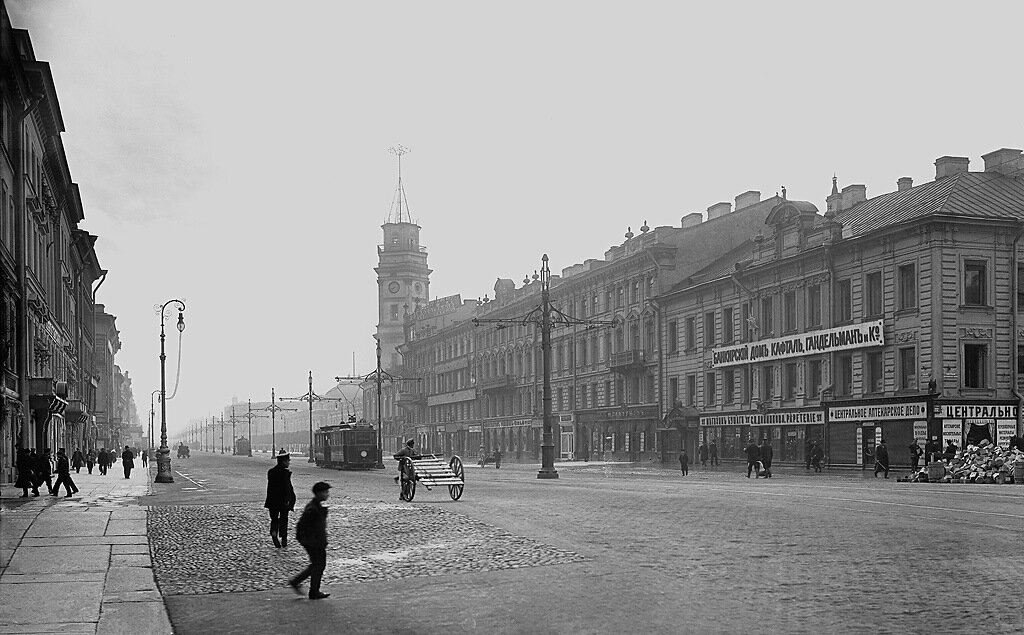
x=393 y=287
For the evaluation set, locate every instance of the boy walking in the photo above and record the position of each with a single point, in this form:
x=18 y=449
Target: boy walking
x=63 y=475
x=311 y=532
x=684 y=462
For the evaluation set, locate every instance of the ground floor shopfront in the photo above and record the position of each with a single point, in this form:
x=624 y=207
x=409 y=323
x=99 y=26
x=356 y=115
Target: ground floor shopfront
x=790 y=431
x=855 y=427
x=618 y=433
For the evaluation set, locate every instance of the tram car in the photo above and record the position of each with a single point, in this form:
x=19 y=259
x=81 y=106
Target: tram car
x=345 y=446
x=242 y=447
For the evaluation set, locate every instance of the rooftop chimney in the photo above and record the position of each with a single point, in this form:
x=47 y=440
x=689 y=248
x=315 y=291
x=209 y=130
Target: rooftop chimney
x=692 y=219
x=948 y=166
x=853 y=194
x=719 y=209
x=747 y=199
x=904 y=183
x=1006 y=161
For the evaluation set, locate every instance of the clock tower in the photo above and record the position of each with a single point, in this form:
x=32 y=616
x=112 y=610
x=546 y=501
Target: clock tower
x=403 y=278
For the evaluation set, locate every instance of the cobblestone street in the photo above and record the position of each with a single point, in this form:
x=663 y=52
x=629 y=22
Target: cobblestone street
x=604 y=549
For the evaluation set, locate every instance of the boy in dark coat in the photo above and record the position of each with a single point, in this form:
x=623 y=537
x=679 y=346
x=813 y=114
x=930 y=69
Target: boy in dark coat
x=684 y=462
x=280 y=498
x=311 y=532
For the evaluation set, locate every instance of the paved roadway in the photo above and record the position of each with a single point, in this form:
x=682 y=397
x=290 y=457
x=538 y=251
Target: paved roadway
x=604 y=549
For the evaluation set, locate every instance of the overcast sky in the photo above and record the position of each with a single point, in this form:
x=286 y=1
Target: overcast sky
x=234 y=153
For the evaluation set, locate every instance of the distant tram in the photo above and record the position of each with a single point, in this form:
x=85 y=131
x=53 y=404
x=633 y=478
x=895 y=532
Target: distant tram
x=346 y=446
x=242 y=447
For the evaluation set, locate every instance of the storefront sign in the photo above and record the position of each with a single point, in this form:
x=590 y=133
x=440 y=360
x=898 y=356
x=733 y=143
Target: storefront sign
x=1005 y=428
x=514 y=423
x=964 y=411
x=881 y=411
x=813 y=343
x=860 y=444
x=952 y=430
x=920 y=430
x=641 y=412
x=779 y=418
x=438 y=307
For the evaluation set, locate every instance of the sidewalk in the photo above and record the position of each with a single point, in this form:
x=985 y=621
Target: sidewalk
x=80 y=564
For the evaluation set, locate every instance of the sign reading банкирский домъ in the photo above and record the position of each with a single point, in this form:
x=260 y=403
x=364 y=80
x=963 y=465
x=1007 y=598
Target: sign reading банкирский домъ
x=813 y=343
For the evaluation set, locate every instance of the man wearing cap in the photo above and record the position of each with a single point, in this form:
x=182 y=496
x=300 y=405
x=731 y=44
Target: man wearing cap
x=280 y=498
x=311 y=532
x=881 y=459
x=408 y=451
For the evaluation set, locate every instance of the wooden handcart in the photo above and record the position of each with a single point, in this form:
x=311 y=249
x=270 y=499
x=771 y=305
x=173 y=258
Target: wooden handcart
x=430 y=470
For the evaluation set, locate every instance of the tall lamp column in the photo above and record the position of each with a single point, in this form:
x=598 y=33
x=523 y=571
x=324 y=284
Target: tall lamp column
x=163 y=456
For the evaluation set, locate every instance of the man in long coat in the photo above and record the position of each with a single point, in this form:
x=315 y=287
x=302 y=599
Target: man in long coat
x=766 y=457
x=753 y=456
x=280 y=498
x=881 y=459
x=127 y=461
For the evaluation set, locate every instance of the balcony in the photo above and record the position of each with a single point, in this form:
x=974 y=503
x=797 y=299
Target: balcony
x=497 y=383
x=76 y=412
x=47 y=394
x=626 y=361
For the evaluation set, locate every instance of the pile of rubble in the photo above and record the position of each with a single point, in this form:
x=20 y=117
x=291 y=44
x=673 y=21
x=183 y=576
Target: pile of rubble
x=982 y=463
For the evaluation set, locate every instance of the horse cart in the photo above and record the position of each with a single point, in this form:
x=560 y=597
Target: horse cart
x=430 y=470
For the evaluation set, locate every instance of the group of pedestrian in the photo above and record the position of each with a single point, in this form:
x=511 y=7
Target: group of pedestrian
x=36 y=469
x=708 y=452
x=310 y=531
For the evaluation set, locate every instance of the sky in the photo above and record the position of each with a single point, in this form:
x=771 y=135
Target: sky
x=234 y=154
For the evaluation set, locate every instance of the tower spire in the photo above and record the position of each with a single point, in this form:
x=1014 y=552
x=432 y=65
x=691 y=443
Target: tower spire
x=399 y=205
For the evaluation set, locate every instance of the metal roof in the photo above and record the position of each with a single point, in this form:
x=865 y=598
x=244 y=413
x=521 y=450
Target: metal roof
x=976 y=195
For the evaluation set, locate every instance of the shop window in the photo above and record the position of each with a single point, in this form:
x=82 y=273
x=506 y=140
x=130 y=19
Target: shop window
x=975 y=366
x=691 y=390
x=974 y=283
x=727 y=326
x=907 y=280
x=813 y=378
x=767 y=326
x=673 y=336
x=789 y=380
x=691 y=334
x=875 y=382
x=844 y=375
x=767 y=383
x=844 y=301
x=789 y=312
x=814 y=305
x=873 y=301
x=709 y=389
x=709 y=329
x=729 y=386
x=908 y=368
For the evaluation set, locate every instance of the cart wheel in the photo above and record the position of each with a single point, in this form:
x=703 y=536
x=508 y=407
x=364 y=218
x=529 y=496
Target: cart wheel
x=455 y=491
x=408 y=489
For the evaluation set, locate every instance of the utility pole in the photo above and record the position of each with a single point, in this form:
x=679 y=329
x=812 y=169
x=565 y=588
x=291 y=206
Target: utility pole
x=310 y=397
x=274 y=409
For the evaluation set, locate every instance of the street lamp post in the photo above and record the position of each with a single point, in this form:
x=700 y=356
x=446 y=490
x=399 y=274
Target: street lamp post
x=274 y=409
x=542 y=316
x=234 y=437
x=310 y=397
x=378 y=376
x=152 y=420
x=222 y=434
x=163 y=457
x=250 y=416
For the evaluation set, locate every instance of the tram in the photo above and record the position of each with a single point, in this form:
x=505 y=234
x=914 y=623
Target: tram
x=346 y=446
x=242 y=447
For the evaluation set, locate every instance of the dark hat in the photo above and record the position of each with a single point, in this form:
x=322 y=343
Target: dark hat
x=282 y=455
x=321 y=487
x=410 y=442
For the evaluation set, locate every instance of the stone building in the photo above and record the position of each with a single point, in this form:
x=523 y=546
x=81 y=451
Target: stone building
x=889 y=317
x=48 y=265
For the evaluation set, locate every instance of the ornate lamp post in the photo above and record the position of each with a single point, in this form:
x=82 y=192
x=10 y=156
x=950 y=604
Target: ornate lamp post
x=274 y=409
x=250 y=416
x=541 y=316
x=163 y=456
x=152 y=420
x=310 y=397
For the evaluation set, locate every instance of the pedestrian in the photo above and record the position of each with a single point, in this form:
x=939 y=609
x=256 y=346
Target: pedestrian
x=408 y=451
x=26 y=474
x=915 y=455
x=713 y=450
x=766 y=455
x=311 y=532
x=684 y=462
x=497 y=459
x=753 y=454
x=951 y=450
x=817 y=453
x=44 y=470
x=702 y=454
x=127 y=461
x=881 y=459
x=77 y=460
x=90 y=459
x=64 y=475
x=931 y=450
x=145 y=458
x=808 y=448
x=280 y=498
x=103 y=460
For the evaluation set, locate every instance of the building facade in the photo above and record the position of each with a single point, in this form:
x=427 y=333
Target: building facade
x=893 y=317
